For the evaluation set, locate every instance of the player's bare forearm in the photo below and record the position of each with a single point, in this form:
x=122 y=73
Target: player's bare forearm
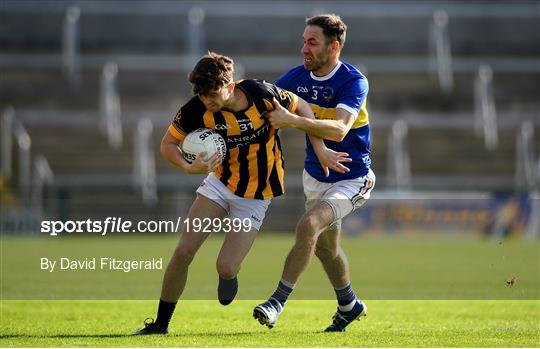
x=304 y=111
x=317 y=143
x=304 y=120
x=334 y=130
x=329 y=159
x=328 y=129
x=170 y=151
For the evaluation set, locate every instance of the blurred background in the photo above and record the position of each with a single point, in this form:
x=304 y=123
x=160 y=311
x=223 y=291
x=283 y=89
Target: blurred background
x=88 y=88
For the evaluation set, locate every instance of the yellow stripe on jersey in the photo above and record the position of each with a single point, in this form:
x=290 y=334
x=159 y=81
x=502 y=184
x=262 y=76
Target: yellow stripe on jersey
x=209 y=120
x=232 y=123
x=280 y=167
x=292 y=108
x=268 y=104
x=255 y=116
x=267 y=192
x=295 y=104
x=234 y=168
x=253 y=171
x=363 y=116
x=322 y=113
x=176 y=133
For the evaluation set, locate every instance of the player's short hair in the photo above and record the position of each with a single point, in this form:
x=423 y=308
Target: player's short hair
x=212 y=72
x=332 y=25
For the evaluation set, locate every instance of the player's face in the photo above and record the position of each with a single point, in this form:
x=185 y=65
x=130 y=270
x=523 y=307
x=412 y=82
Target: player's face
x=315 y=50
x=216 y=100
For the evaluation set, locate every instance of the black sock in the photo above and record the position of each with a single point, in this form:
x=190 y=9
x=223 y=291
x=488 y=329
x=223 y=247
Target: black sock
x=164 y=314
x=227 y=289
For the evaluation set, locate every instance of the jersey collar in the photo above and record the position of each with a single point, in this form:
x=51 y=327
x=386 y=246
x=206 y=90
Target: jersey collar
x=328 y=76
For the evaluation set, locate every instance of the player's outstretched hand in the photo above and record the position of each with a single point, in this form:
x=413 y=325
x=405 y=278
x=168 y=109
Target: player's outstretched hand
x=332 y=160
x=199 y=165
x=279 y=117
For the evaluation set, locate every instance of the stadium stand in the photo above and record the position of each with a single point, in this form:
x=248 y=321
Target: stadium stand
x=154 y=43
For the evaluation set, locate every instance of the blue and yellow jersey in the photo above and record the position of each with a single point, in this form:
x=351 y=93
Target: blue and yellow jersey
x=345 y=87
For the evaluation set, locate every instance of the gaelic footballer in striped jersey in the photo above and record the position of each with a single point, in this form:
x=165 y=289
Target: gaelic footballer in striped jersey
x=253 y=165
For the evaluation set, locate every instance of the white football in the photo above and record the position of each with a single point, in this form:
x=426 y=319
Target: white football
x=203 y=140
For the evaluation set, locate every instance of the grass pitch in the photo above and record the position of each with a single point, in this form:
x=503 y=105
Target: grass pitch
x=208 y=324
x=421 y=292
x=382 y=268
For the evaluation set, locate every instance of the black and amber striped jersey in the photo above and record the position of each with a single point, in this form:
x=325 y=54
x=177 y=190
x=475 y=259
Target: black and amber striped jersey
x=253 y=166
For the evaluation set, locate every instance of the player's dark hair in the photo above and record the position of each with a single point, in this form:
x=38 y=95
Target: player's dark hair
x=212 y=72
x=332 y=25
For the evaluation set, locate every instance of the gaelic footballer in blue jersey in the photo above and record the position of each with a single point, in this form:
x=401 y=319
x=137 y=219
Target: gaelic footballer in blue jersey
x=343 y=88
x=336 y=92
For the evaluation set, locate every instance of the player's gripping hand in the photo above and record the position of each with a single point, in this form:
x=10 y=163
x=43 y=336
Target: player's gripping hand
x=332 y=160
x=199 y=165
x=280 y=117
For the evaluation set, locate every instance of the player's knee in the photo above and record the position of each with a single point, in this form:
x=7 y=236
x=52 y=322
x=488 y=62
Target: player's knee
x=325 y=253
x=226 y=270
x=306 y=239
x=308 y=226
x=184 y=254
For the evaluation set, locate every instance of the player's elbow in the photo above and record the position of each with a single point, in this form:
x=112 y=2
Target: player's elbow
x=340 y=137
x=165 y=149
x=340 y=133
x=334 y=138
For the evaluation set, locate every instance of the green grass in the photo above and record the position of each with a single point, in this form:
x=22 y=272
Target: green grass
x=422 y=291
x=382 y=268
x=207 y=324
